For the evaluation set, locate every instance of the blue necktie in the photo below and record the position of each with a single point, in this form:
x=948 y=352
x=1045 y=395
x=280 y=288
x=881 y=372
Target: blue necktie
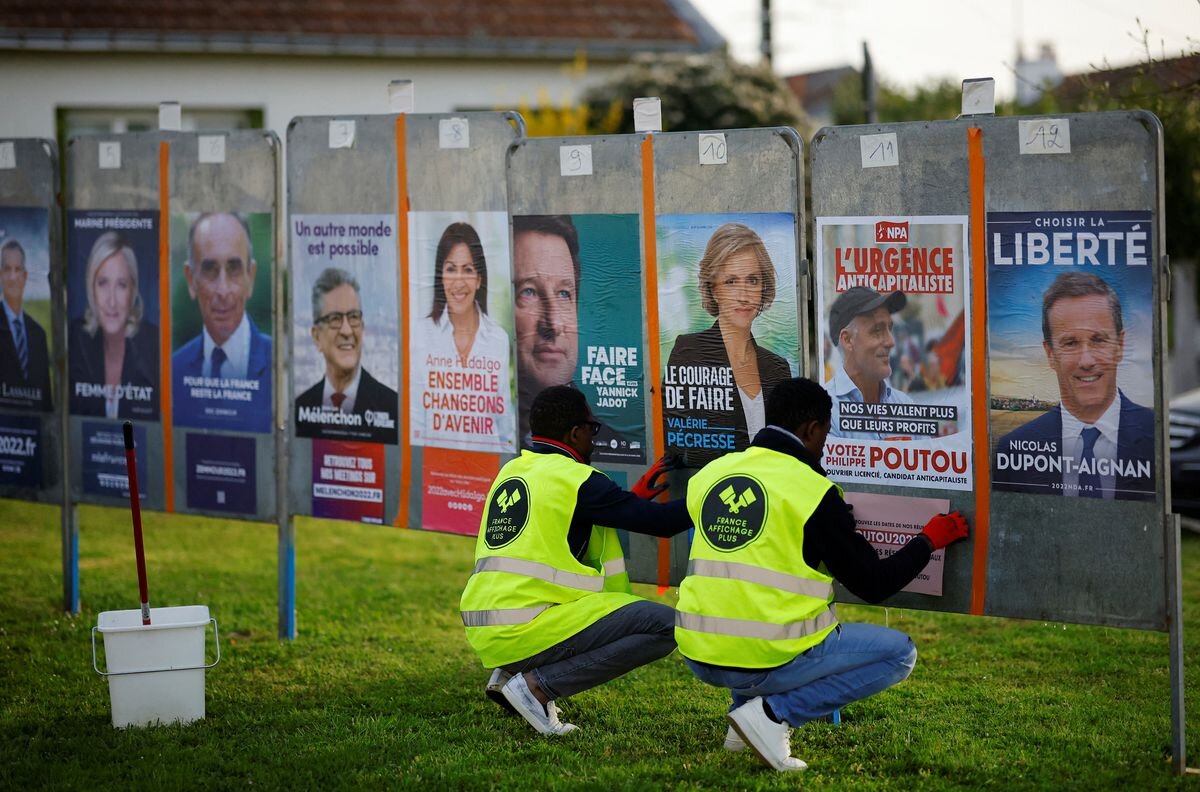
x=218 y=359
x=1089 y=483
x=22 y=348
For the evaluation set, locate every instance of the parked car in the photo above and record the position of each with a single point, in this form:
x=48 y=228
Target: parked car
x=1185 y=453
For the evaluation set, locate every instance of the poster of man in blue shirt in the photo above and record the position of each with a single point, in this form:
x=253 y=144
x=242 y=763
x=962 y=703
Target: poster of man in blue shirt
x=221 y=376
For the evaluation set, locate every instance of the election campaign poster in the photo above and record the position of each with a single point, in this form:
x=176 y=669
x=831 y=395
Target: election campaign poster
x=728 y=326
x=345 y=333
x=104 y=468
x=1070 y=318
x=221 y=359
x=894 y=349
x=578 y=321
x=112 y=310
x=460 y=361
x=220 y=473
x=889 y=522
x=20 y=451
x=25 y=358
x=454 y=485
x=347 y=481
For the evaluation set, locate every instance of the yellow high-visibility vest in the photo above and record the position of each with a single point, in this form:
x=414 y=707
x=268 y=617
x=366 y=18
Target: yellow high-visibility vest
x=527 y=591
x=749 y=600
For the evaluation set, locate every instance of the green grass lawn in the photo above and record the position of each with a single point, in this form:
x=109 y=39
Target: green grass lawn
x=381 y=689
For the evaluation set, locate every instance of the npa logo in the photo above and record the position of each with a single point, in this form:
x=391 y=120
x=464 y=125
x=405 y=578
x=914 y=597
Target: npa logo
x=733 y=513
x=891 y=233
x=507 y=513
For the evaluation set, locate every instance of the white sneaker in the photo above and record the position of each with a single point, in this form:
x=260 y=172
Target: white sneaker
x=559 y=727
x=543 y=719
x=496 y=681
x=733 y=742
x=770 y=740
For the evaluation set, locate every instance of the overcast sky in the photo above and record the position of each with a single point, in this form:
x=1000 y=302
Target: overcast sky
x=915 y=41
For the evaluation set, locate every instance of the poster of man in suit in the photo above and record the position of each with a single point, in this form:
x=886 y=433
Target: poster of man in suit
x=25 y=281
x=345 y=331
x=221 y=366
x=1071 y=328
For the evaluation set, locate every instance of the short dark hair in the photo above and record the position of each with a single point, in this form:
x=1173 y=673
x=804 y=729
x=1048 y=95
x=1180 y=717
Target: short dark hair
x=557 y=410
x=13 y=244
x=794 y=402
x=1079 y=284
x=551 y=225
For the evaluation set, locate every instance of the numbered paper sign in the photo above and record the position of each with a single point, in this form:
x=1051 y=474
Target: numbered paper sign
x=879 y=151
x=575 y=160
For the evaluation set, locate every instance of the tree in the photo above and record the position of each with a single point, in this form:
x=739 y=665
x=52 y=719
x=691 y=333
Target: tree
x=699 y=92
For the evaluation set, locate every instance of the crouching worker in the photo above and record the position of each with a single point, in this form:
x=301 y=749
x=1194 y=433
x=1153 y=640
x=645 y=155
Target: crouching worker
x=755 y=611
x=548 y=605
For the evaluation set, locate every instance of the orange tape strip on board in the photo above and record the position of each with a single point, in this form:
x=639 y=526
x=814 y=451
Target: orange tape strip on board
x=650 y=249
x=979 y=389
x=164 y=322
x=402 y=242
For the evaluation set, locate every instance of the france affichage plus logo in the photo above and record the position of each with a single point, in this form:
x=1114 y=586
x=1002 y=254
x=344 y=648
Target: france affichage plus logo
x=733 y=513
x=507 y=513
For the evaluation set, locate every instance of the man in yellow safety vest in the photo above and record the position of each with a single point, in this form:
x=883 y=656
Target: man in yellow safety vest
x=548 y=605
x=755 y=611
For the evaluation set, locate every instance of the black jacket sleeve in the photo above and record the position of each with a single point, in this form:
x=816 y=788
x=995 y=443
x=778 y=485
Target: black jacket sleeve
x=601 y=502
x=830 y=538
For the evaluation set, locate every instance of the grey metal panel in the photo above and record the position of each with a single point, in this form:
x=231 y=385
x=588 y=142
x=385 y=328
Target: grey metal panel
x=460 y=179
x=321 y=180
x=35 y=183
x=362 y=179
x=247 y=182
x=1077 y=560
x=536 y=185
x=764 y=172
x=133 y=186
x=469 y=179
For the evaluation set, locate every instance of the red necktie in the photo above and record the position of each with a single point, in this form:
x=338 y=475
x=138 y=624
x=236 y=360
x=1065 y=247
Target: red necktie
x=337 y=398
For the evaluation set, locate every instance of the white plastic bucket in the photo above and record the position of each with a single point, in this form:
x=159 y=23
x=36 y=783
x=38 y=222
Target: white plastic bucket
x=156 y=671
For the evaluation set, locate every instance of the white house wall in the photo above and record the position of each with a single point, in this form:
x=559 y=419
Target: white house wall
x=36 y=84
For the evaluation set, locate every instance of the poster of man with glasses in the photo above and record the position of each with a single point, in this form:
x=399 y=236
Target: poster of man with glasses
x=345 y=301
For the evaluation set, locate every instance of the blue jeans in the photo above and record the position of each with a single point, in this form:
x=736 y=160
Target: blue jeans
x=853 y=662
x=629 y=637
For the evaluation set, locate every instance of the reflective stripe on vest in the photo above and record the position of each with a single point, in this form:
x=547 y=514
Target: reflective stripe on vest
x=501 y=617
x=744 y=628
x=614 y=567
x=540 y=571
x=763 y=577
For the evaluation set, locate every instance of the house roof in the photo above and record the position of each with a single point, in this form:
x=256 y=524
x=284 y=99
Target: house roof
x=817 y=88
x=1171 y=75
x=552 y=29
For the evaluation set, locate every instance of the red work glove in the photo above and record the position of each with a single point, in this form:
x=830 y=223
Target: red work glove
x=946 y=529
x=648 y=487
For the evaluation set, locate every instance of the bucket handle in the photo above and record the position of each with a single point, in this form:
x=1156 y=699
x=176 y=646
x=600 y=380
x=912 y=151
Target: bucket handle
x=216 y=638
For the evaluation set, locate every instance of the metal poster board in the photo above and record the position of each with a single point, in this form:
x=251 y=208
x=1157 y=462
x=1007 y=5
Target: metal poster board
x=31 y=330
x=1004 y=237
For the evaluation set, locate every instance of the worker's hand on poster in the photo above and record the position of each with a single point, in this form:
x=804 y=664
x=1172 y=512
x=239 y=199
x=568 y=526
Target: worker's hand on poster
x=946 y=529
x=654 y=481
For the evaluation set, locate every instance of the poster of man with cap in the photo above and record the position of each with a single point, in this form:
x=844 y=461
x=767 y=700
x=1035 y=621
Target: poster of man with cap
x=894 y=349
